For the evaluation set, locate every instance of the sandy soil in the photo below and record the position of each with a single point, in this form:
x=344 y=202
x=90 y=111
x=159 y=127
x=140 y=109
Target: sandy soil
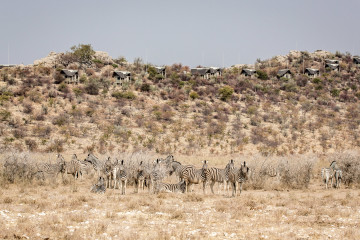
x=57 y=211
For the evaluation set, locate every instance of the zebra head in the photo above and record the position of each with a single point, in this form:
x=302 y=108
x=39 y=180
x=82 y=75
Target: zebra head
x=141 y=167
x=122 y=165
x=92 y=159
x=232 y=164
x=169 y=159
x=205 y=164
x=60 y=158
x=157 y=163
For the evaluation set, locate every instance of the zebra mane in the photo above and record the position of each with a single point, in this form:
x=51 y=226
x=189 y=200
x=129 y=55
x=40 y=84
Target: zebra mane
x=333 y=164
x=176 y=162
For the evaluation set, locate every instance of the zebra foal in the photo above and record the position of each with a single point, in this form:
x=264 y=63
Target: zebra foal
x=169 y=187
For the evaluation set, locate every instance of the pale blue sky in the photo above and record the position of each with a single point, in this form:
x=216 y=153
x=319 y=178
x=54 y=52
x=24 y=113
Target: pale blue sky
x=166 y=32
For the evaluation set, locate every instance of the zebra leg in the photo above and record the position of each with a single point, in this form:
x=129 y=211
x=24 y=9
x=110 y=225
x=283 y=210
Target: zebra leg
x=212 y=186
x=240 y=187
x=125 y=187
x=233 y=184
x=114 y=177
x=204 y=187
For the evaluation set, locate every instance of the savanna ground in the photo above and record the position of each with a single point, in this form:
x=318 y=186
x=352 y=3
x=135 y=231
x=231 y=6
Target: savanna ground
x=53 y=210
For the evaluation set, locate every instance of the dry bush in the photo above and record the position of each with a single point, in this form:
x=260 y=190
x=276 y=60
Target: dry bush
x=280 y=172
x=28 y=107
x=17 y=167
x=349 y=163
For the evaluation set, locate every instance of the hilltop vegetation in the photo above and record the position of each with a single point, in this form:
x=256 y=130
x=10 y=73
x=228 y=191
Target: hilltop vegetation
x=181 y=113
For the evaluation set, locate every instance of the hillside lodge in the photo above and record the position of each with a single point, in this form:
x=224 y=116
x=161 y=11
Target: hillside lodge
x=206 y=73
x=161 y=71
x=356 y=60
x=284 y=73
x=248 y=72
x=71 y=76
x=312 y=72
x=121 y=77
x=332 y=66
x=202 y=72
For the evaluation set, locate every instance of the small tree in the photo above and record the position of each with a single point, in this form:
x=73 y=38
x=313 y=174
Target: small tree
x=226 y=92
x=84 y=53
x=152 y=72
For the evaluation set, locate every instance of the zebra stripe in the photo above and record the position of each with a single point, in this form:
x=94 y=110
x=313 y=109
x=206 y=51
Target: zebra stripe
x=97 y=164
x=170 y=187
x=190 y=175
x=213 y=175
x=99 y=187
x=237 y=175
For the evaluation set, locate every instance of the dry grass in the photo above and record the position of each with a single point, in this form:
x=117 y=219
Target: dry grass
x=276 y=211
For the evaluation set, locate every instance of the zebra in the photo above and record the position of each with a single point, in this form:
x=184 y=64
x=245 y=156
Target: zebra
x=73 y=167
x=327 y=175
x=95 y=162
x=190 y=175
x=338 y=177
x=214 y=175
x=114 y=170
x=140 y=176
x=170 y=187
x=99 y=187
x=83 y=166
x=98 y=165
x=107 y=171
x=243 y=175
x=237 y=175
x=337 y=173
x=158 y=173
x=52 y=168
x=122 y=177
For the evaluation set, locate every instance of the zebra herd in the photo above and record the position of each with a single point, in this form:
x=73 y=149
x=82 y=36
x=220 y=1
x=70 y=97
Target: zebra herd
x=333 y=174
x=144 y=174
x=111 y=174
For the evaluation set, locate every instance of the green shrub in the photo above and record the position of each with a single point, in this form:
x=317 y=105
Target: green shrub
x=335 y=92
x=124 y=95
x=226 y=92
x=4 y=115
x=83 y=78
x=152 y=72
x=262 y=75
x=145 y=87
x=316 y=80
x=193 y=95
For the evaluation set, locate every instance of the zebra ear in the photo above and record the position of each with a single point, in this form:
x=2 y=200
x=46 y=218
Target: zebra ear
x=244 y=164
x=141 y=163
x=122 y=162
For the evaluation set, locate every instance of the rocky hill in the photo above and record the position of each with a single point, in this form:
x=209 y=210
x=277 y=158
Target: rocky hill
x=181 y=113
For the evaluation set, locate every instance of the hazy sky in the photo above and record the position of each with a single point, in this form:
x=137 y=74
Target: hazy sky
x=205 y=32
